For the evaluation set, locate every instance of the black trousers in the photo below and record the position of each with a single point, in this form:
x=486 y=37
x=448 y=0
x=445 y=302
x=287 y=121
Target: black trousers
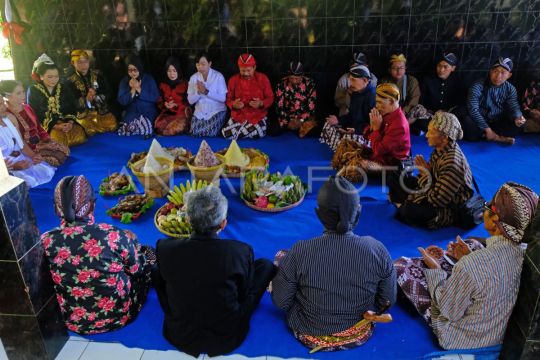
x=264 y=273
x=504 y=126
x=416 y=214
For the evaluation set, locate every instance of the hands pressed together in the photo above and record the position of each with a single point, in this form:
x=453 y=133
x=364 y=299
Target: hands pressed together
x=433 y=253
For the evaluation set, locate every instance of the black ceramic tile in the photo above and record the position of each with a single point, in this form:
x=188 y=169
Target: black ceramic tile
x=534 y=5
x=313 y=31
x=365 y=8
x=7 y=252
x=283 y=56
x=512 y=26
x=514 y=341
x=339 y=31
x=292 y=9
x=22 y=338
x=315 y=8
x=20 y=220
x=14 y=297
x=420 y=7
x=531 y=350
x=451 y=28
x=286 y=32
x=342 y=8
x=52 y=328
x=337 y=56
x=506 y=49
x=37 y=277
x=423 y=29
x=395 y=29
x=259 y=32
x=174 y=12
x=531 y=27
x=476 y=56
x=420 y=58
x=367 y=30
x=396 y=7
x=529 y=57
x=455 y=7
x=480 y=27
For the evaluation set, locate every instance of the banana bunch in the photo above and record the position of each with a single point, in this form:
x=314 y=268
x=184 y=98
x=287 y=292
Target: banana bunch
x=176 y=194
x=174 y=223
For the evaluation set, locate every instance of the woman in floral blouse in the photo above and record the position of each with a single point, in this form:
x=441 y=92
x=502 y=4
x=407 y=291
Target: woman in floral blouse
x=101 y=274
x=295 y=101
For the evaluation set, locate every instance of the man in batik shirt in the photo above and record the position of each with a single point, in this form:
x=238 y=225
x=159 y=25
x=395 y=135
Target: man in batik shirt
x=295 y=101
x=249 y=97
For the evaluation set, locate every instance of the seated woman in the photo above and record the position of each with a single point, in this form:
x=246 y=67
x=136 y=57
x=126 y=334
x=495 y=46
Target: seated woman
x=210 y=312
x=444 y=184
x=175 y=113
x=20 y=160
x=328 y=283
x=467 y=293
x=101 y=274
x=33 y=135
x=388 y=135
x=531 y=107
x=408 y=86
x=138 y=94
x=53 y=104
x=91 y=90
x=207 y=90
x=352 y=124
x=295 y=101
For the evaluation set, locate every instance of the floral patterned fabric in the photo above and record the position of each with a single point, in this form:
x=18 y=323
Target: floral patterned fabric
x=295 y=100
x=100 y=275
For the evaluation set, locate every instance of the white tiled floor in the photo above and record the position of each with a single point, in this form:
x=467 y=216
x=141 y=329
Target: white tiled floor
x=78 y=348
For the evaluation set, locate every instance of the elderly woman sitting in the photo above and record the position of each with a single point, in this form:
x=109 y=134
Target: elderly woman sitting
x=467 y=292
x=207 y=287
x=328 y=283
x=387 y=133
x=445 y=182
x=101 y=274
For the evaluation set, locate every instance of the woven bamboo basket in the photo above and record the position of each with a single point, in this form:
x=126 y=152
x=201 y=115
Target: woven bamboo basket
x=210 y=174
x=156 y=184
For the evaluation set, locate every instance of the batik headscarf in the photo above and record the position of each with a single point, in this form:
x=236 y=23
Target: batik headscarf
x=74 y=199
x=388 y=91
x=448 y=57
x=338 y=205
x=448 y=124
x=515 y=205
x=296 y=68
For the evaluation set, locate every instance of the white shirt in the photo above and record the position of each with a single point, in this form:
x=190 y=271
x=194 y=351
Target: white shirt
x=208 y=105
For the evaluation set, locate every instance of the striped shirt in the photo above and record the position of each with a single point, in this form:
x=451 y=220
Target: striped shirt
x=326 y=284
x=487 y=103
x=451 y=184
x=471 y=308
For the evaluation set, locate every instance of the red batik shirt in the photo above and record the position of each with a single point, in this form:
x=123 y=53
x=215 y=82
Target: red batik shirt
x=91 y=265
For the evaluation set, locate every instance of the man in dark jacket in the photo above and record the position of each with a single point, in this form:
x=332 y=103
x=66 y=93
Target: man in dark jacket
x=207 y=287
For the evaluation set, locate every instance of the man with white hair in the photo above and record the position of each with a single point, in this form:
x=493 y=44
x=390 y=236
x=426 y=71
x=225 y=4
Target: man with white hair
x=208 y=287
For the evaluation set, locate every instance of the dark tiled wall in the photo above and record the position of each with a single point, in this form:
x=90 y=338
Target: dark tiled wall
x=321 y=33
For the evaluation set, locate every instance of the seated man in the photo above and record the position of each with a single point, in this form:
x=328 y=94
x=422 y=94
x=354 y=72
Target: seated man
x=351 y=125
x=493 y=109
x=249 y=97
x=207 y=287
x=295 y=101
x=387 y=135
x=441 y=91
x=467 y=293
x=326 y=284
x=408 y=86
x=531 y=107
x=101 y=274
x=445 y=182
x=342 y=97
x=91 y=90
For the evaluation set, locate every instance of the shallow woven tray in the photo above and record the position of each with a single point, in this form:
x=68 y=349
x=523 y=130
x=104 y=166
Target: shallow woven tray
x=246 y=168
x=164 y=231
x=274 y=210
